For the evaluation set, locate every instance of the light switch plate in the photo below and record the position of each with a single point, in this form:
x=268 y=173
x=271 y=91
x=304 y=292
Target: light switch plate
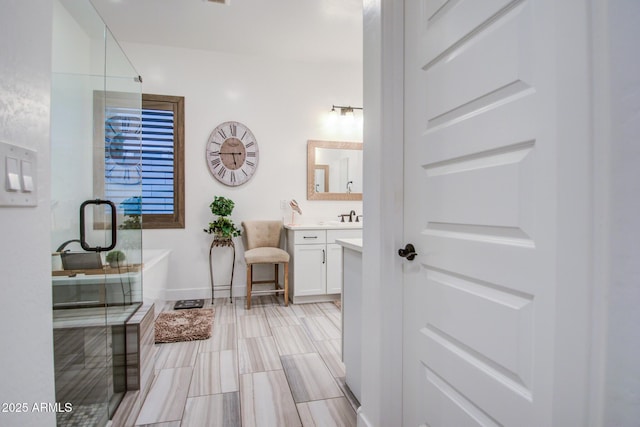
x=26 y=173
x=12 y=174
x=27 y=167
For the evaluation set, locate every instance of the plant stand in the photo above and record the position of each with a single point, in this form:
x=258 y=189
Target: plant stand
x=222 y=243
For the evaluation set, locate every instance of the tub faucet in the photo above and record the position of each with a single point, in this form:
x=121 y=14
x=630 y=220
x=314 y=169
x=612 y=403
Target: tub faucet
x=62 y=246
x=351 y=215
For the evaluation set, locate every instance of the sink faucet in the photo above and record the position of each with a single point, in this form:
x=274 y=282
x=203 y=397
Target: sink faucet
x=351 y=215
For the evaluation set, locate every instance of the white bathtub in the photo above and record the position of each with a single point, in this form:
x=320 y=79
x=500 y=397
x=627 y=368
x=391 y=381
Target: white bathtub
x=155 y=274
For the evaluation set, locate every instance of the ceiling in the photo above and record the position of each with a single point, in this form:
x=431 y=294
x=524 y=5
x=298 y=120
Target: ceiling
x=305 y=30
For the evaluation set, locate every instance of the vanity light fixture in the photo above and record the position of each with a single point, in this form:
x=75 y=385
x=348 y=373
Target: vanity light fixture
x=344 y=111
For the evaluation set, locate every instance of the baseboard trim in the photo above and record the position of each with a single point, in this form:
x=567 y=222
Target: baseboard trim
x=362 y=420
x=202 y=293
x=154 y=294
x=315 y=298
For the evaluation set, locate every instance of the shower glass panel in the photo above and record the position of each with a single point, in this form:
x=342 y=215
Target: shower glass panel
x=94 y=151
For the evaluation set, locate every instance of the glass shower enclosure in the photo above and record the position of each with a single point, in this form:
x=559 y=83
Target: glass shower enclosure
x=95 y=212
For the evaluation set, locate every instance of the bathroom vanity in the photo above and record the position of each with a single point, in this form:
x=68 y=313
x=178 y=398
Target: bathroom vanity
x=315 y=268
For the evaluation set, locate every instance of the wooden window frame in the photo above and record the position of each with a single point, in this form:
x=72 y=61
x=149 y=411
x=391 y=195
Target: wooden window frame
x=149 y=101
x=175 y=104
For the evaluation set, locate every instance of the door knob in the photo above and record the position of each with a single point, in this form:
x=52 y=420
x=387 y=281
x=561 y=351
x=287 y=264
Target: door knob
x=409 y=252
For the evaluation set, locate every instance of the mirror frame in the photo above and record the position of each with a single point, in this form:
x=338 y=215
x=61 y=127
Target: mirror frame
x=311 y=166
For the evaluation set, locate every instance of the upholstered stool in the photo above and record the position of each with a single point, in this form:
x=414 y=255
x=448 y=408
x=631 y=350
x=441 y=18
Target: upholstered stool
x=263 y=247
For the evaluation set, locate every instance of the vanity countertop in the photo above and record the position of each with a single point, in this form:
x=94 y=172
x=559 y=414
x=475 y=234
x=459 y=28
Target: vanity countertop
x=353 y=244
x=328 y=225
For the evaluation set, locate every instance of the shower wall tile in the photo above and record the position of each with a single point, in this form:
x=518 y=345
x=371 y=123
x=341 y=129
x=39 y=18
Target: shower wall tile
x=140 y=350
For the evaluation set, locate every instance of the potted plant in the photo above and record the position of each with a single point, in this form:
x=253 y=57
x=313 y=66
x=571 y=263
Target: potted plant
x=222 y=227
x=116 y=258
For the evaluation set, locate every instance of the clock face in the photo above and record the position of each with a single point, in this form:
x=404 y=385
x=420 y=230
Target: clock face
x=122 y=150
x=232 y=153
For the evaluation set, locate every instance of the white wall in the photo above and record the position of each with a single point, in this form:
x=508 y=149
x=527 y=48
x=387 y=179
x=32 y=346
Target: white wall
x=26 y=359
x=284 y=104
x=622 y=384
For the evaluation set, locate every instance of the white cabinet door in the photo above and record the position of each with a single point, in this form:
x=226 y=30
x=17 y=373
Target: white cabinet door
x=334 y=268
x=310 y=269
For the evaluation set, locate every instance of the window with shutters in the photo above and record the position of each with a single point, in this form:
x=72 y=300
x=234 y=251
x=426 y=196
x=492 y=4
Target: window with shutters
x=145 y=148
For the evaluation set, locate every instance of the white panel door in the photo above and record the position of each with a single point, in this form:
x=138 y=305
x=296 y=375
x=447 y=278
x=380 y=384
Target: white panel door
x=310 y=272
x=480 y=208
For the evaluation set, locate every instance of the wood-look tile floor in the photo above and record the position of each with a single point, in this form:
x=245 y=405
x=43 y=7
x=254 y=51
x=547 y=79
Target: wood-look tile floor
x=268 y=366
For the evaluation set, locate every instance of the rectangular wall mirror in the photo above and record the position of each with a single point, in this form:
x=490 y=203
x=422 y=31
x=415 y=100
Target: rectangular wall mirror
x=334 y=170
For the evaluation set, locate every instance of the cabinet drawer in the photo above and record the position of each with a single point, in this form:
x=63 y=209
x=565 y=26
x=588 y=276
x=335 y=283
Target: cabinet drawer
x=333 y=235
x=308 y=237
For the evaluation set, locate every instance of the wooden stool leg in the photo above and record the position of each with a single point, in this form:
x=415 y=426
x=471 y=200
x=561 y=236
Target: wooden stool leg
x=275 y=285
x=249 y=271
x=286 y=284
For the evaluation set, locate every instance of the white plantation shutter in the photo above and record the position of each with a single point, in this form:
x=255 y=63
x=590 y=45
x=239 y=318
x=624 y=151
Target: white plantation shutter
x=144 y=148
x=140 y=144
x=157 y=162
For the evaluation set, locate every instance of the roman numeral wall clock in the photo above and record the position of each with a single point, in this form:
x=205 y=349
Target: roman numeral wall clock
x=232 y=153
